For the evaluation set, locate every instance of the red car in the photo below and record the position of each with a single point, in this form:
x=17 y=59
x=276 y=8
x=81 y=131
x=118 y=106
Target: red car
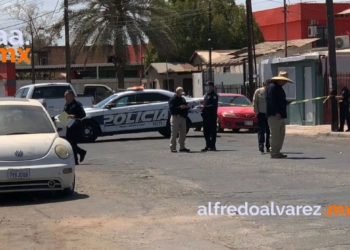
x=235 y=112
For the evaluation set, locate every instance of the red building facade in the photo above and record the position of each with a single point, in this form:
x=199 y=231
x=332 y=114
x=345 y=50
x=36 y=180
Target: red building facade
x=302 y=20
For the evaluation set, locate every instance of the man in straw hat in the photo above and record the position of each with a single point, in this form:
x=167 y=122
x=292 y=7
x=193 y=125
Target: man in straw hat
x=276 y=111
x=179 y=112
x=259 y=102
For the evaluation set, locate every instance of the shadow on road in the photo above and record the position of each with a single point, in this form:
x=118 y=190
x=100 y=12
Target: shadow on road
x=27 y=199
x=204 y=152
x=293 y=153
x=142 y=139
x=306 y=158
x=130 y=139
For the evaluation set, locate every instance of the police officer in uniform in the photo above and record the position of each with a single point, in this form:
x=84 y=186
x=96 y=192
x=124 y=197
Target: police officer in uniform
x=209 y=114
x=75 y=110
x=344 y=109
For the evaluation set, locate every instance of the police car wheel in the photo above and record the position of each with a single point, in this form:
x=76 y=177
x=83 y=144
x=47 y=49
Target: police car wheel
x=197 y=129
x=218 y=128
x=89 y=131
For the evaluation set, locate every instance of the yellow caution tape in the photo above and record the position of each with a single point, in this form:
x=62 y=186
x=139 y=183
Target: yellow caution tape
x=292 y=103
x=312 y=99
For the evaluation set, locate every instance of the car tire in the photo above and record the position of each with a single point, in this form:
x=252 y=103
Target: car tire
x=166 y=132
x=218 y=127
x=69 y=191
x=89 y=131
x=197 y=129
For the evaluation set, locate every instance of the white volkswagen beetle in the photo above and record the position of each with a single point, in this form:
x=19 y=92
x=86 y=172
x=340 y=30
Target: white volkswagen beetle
x=32 y=155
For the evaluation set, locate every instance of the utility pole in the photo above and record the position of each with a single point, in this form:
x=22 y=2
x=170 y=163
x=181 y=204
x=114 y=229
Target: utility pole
x=32 y=51
x=250 y=48
x=332 y=64
x=66 y=29
x=167 y=74
x=209 y=42
x=254 y=55
x=285 y=29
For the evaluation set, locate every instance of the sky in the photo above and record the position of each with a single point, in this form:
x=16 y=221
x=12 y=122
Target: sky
x=50 y=6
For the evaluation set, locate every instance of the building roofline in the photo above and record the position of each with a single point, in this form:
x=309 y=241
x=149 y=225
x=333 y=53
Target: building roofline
x=63 y=66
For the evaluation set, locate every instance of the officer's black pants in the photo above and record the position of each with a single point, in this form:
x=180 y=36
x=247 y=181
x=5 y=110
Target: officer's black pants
x=263 y=129
x=209 y=131
x=344 y=115
x=72 y=137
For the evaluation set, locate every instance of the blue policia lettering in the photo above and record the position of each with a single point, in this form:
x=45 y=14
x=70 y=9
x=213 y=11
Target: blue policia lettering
x=136 y=117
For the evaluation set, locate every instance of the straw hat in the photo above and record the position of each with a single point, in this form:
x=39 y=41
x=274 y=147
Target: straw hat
x=282 y=76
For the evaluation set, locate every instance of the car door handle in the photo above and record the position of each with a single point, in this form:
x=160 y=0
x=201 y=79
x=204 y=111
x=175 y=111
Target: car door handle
x=131 y=108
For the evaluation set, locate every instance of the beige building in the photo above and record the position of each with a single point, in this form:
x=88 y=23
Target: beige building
x=231 y=61
x=169 y=76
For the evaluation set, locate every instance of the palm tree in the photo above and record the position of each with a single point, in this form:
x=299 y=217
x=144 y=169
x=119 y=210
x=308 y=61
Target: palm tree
x=116 y=23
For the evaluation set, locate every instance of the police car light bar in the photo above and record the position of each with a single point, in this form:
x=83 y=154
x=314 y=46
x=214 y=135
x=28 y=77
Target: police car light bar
x=136 y=88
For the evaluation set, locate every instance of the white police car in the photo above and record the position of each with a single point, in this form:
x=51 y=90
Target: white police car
x=134 y=111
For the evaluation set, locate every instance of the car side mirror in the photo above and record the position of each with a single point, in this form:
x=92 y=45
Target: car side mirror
x=59 y=129
x=109 y=106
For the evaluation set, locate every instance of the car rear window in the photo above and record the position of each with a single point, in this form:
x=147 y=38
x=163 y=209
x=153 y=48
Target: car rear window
x=24 y=119
x=50 y=92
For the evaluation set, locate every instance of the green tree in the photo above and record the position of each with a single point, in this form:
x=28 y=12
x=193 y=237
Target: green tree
x=151 y=55
x=117 y=23
x=190 y=26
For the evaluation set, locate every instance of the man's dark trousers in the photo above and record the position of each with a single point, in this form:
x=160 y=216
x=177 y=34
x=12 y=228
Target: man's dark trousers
x=344 y=115
x=263 y=128
x=209 y=130
x=72 y=136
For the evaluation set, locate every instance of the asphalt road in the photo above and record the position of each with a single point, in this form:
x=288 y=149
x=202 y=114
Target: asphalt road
x=132 y=193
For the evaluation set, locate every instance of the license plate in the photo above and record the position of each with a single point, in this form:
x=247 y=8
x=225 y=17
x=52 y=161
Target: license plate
x=248 y=123
x=18 y=174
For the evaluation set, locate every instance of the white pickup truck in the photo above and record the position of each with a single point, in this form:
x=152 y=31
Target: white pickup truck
x=51 y=95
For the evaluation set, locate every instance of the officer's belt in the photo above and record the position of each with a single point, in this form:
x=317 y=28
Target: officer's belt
x=178 y=116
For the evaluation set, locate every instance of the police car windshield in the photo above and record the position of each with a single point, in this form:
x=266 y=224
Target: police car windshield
x=226 y=101
x=19 y=119
x=102 y=103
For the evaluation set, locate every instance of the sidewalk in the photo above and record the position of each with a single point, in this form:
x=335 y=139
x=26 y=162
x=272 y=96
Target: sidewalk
x=320 y=130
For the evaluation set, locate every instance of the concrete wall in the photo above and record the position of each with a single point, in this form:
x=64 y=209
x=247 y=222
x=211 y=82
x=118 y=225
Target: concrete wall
x=228 y=79
x=153 y=76
x=296 y=112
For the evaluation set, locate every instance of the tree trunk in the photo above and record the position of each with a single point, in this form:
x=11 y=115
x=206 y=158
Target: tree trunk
x=120 y=78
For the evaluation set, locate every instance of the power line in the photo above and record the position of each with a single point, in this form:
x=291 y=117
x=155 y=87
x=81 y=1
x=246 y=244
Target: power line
x=22 y=22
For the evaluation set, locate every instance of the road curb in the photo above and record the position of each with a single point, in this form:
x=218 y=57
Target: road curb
x=335 y=134
x=322 y=134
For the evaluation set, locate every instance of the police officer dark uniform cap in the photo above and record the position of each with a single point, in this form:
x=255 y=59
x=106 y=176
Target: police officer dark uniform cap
x=210 y=83
x=69 y=91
